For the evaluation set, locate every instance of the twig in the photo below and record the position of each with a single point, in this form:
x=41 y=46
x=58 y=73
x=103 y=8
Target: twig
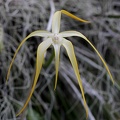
x=52 y=6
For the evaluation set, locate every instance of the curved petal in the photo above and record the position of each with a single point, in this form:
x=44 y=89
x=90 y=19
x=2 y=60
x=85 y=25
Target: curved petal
x=39 y=60
x=71 y=33
x=40 y=33
x=73 y=16
x=56 y=22
x=78 y=34
x=57 y=59
x=70 y=51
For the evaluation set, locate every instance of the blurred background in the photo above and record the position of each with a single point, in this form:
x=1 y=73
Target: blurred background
x=18 y=18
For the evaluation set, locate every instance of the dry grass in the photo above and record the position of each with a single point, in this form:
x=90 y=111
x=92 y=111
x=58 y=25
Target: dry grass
x=18 y=19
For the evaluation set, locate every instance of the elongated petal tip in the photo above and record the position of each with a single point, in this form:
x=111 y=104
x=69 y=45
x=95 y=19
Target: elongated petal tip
x=74 y=17
x=54 y=88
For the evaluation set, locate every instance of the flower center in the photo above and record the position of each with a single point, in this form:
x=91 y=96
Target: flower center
x=55 y=39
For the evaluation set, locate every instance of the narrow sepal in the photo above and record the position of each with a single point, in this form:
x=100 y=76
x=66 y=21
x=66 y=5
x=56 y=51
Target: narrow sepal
x=40 y=33
x=39 y=61
x=78 y=34
x=56 y=22
x=57 y=59
x=71 y=54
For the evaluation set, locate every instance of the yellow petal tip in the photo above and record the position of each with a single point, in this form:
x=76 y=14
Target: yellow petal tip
x=74 y=17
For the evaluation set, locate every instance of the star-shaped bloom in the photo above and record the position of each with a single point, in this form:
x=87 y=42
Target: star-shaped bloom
x=57 y=39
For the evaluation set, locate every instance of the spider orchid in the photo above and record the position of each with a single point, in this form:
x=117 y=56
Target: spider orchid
x=57 y=39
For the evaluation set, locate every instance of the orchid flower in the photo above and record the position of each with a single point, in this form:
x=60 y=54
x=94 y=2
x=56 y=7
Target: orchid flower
x=57 y=39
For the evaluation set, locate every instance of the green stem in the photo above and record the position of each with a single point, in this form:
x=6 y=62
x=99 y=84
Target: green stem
x=48 y=62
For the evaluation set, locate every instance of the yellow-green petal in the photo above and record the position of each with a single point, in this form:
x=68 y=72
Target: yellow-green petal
x=70 y=51
x=39 y=61
x=41 y=33
x=56 y=22
x=73 y=16
x=57 y=59
x=78 y=34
